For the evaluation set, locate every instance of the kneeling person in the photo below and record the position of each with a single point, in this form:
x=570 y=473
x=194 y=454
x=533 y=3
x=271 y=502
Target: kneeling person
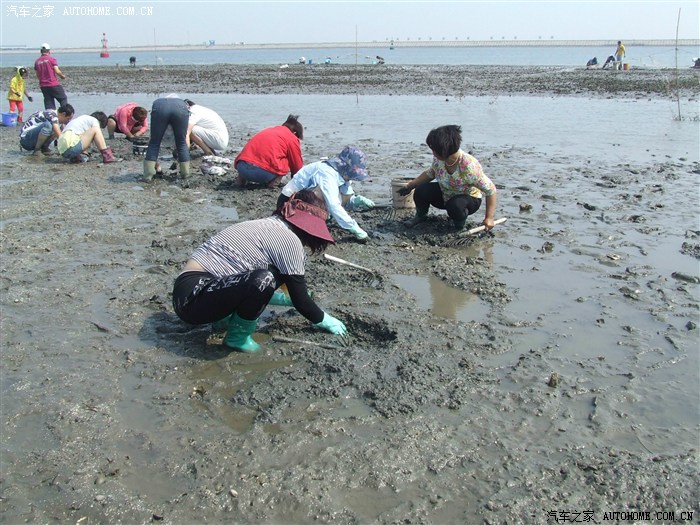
x=129 y=119
x=43 y=127
x=235 y=274
x=80 y=133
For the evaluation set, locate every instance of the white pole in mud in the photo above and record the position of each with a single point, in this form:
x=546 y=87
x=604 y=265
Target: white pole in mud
x=357 y=94
x=678 y=88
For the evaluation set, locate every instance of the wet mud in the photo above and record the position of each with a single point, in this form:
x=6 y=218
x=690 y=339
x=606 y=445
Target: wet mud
x=331 y=79
x=561 y=374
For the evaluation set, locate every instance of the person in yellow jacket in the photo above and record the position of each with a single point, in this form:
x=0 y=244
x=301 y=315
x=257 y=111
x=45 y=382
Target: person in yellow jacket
x=17 y=92
x=620 y=51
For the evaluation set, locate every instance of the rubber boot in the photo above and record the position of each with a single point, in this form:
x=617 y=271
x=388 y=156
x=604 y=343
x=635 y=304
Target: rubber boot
x=185 y=170
x=239 y=332
x=108 y=155
x=421 y=215
x=149 y=170
x=460 y=224
x=221 y=324
x=279 y=298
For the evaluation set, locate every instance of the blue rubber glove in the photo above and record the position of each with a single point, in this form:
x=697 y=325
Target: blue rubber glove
x=333 y=325
x=358 y=232
x=360 y=203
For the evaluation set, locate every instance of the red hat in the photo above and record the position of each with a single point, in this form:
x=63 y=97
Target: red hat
x=307 y=217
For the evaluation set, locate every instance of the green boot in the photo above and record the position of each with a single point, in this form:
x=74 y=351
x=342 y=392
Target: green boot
x=221 y=325
x=239 y=332
x=279 y=298
x=421 y=215
x=149 y=170
x=460 y=224
x=185 y=170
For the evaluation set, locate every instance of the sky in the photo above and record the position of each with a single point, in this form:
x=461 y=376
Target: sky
x=80 y=23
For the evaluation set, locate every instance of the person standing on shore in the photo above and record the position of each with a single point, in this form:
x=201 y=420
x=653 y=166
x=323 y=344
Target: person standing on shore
x=17 y=92
x=460 y=182
x=42 y=127
x=235 y=274
x=620 y=52
x=47 y=71
x=174 y=112
x=271 y=153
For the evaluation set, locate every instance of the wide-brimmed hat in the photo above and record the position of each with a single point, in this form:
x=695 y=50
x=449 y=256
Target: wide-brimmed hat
x=350 y=163
x=307 y=217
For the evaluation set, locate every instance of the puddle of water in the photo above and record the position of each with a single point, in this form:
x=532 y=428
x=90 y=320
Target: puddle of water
x=10 y=182
x=228 y=214
x=442 y=300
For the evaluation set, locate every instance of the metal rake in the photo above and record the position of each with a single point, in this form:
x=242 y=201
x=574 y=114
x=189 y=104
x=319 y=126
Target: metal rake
x=467 y=237
x=389 y=212
x=372 y=279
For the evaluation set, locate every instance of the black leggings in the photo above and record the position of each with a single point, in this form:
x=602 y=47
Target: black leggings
x=458 y=207
x=200 y=297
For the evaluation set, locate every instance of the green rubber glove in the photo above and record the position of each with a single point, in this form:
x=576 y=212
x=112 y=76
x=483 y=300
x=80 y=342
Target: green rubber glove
x=333 y=325
x=358 y=232
x=360 y=203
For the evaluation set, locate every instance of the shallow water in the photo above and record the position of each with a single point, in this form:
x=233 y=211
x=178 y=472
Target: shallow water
x=644 y=56
x=442 y=300
x=606 y=130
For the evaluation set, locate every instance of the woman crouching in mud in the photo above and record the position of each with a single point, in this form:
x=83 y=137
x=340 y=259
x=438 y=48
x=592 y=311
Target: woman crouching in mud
x=235 y=274
x=460 y=182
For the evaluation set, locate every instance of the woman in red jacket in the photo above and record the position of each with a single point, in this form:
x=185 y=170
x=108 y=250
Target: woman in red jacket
x=271 y=154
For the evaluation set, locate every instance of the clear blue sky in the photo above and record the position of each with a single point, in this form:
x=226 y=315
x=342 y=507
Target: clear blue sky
x=130 y=23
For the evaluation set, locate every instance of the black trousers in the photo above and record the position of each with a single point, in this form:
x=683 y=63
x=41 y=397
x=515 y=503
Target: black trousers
x=200 y=297
x=54 y=93
x=458 y=207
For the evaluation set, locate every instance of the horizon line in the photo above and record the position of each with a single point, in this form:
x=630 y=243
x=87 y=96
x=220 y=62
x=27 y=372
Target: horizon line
x=375 y=43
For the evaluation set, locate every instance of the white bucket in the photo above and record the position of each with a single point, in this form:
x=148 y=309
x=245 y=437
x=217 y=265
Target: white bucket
x=398 y=200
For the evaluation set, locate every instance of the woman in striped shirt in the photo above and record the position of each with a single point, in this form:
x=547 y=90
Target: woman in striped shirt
x=234 y=275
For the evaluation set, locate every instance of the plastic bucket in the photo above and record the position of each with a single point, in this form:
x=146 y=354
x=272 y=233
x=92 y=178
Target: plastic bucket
x=139 y=149
x=9 y=119
x=626 y=67
x=398 y=200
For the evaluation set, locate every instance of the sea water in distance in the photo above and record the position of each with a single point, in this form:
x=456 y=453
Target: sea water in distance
x=639 y=56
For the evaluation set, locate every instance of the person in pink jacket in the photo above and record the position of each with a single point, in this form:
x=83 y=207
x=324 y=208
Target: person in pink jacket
x=271 y=154
x=129 y=119
x=48 y=72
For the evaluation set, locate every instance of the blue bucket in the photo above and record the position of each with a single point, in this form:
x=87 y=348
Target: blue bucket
x=9 y=119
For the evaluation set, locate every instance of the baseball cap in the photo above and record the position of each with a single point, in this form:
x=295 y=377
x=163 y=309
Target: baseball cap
x=46 y=46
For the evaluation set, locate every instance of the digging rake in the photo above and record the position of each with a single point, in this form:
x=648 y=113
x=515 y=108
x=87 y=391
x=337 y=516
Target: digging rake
x=467 y=237
x=371 y=279
x=389 y=212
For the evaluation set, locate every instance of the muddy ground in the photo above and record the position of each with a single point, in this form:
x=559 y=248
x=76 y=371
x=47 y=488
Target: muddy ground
x=453 y=81
x=114 y=411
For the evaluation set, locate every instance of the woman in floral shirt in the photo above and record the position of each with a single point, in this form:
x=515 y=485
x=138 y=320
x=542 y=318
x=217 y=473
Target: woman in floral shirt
x=454 y=182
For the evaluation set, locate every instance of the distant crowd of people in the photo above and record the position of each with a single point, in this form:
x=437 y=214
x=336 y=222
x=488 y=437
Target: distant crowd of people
x=614 y=60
